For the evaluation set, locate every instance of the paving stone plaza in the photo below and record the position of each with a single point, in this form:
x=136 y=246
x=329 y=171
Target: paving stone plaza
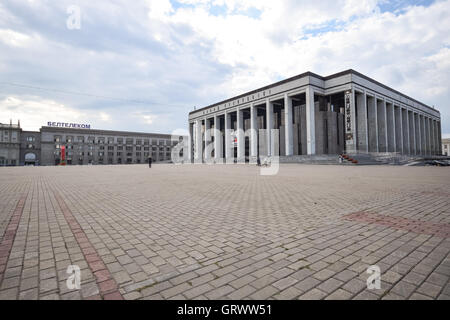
x=224 y=232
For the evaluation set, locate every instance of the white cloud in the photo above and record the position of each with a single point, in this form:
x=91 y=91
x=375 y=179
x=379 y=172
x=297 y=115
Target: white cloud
x=13 y=38
x=34 y=112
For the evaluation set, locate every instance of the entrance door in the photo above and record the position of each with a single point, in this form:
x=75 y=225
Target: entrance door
x=30 y=159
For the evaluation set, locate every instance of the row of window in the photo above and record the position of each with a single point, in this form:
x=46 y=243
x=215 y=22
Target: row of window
x=100 y=161
x=111 y=154
x=111 y=148
x=81 y=139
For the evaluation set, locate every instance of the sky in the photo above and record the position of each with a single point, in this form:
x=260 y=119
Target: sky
x=144 y=65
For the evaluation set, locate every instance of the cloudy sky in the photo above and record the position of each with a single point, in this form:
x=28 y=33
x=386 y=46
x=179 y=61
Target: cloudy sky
x=143 y=65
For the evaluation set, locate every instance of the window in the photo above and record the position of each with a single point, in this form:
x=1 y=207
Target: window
x=129 y=148
x=138 y=148
x=30 y=139
x=91 y=139
x=138 y=142
x=129 y=154
x=110 y=148
x=57 y=146
x=101 y=140
x=80 y=139
x=100 y=154
x=110 y=140
x=146 y=142
x=90 y=153
x=69 y=139
x=30 y=146
x=102 y=148
x=119 y=154
x=81 y=153
x=120 y=148
x=119 y=140
x=130 y=141
x=138 y=154
x=57 y=139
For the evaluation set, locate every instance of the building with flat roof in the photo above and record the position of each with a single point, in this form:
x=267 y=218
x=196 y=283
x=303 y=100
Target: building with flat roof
x=346 y=112
x=446 y=147
x=81 y=145
x=9 y=144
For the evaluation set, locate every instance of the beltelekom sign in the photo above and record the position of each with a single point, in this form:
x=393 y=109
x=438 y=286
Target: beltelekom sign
x=68 y=125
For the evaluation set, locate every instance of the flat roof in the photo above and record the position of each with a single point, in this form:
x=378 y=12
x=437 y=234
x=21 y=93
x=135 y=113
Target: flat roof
x=308 y=73
x=104 y=132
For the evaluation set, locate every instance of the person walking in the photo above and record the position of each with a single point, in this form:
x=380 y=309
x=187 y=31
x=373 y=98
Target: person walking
x=149 y=162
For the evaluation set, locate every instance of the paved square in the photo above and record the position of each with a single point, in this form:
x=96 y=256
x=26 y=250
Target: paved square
x=224 y=232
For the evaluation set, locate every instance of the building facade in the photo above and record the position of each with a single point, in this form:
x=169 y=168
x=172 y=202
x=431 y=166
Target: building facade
x=446 y=147
x=9 y=144
x=312 y=115
x=82 y=146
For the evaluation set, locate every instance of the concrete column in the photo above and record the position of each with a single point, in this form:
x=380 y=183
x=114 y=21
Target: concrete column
x=427 y=132
x=381 y=125
x=436 y=138
x=289 y=134
x=423 y=129
x=418 y=137
x=253 y=131
x=208 y=146
x=423 y=136
x=400 y=130
x=433 y=139
x=412 y=149
x=198 y=142
x=385 y=126
x=240 y=136
x=217 y=140
x=190 y=144
x=310 y=121
x=373 y=124
x=269 y=124
x=228 y=156
x=390 y=124
x=439 y=137
x=350 y=133
x=363 y=137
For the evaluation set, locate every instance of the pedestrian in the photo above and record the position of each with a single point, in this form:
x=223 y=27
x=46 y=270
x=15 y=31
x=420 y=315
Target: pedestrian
x=149 y=162
x=258 y=162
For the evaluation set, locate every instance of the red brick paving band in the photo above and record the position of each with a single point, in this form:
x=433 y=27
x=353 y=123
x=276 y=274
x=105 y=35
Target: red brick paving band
x=10 y=234
x=107 y=285
x=400 y=223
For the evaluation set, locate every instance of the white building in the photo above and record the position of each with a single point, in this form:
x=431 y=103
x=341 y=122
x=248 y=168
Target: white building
x=346 y=112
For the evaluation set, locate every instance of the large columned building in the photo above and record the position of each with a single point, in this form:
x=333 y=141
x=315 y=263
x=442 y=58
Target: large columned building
x=308 y=114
